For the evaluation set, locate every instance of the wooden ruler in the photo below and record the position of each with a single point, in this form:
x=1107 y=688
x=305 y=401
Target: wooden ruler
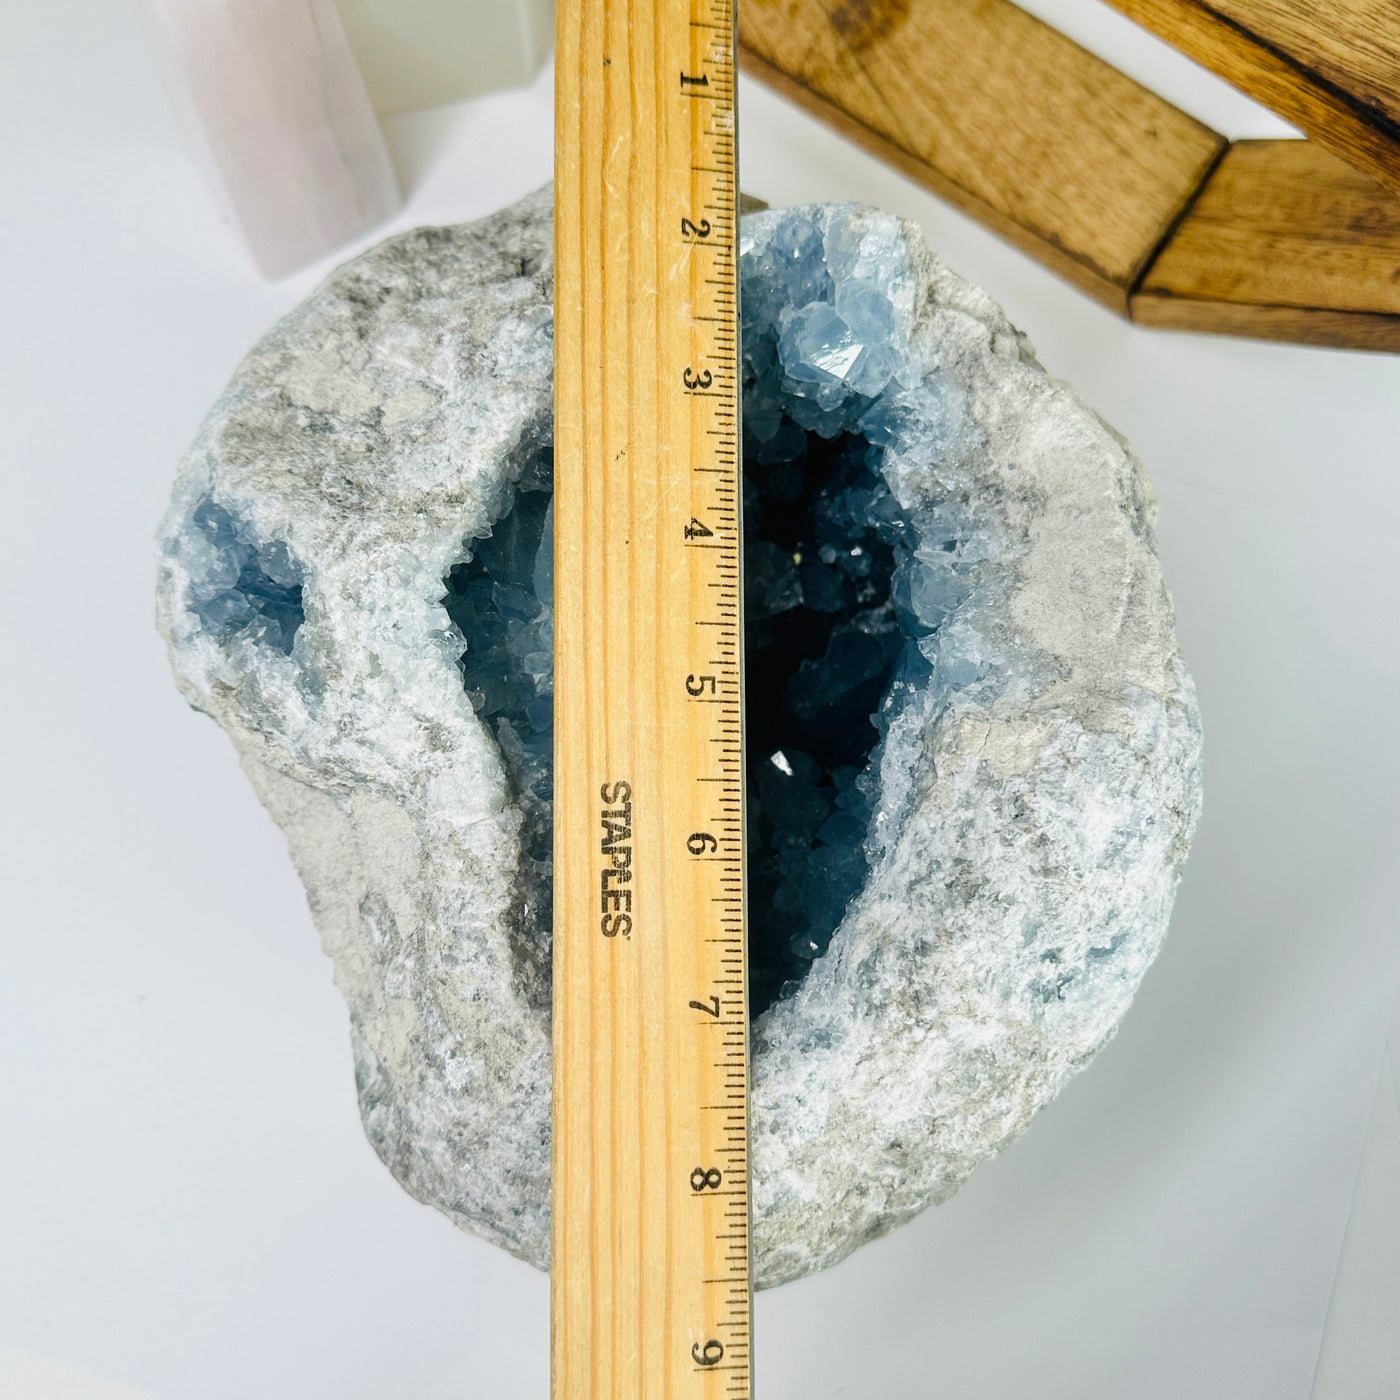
x=650 y=1262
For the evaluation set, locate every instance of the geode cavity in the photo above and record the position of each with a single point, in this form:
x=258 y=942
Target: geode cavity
x=974 y=753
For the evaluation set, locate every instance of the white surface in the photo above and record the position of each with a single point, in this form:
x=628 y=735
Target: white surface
x=1360 y=1357
x=187 y=1204
x=27 y=1377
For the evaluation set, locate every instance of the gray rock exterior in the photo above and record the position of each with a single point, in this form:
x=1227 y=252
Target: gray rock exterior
x=1032 y=820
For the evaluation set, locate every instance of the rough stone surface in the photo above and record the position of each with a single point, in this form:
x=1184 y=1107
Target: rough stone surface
x=1027 y=805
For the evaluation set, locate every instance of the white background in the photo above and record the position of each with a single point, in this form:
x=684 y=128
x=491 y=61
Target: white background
x=187 y=1204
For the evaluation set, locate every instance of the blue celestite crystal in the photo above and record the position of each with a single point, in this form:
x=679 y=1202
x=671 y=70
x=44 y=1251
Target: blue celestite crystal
x=502 y=601
x=243 y=587
x=974 y=750
x=844 y=595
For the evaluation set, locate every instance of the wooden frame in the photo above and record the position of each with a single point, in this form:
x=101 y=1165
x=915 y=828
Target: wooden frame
x=1136 y=203
x=1332 y=69
x=1284 y=242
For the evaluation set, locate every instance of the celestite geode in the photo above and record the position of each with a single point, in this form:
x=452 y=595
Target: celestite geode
x=974 y=752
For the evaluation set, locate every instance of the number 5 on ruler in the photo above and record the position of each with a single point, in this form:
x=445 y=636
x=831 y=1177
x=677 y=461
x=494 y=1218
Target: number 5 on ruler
x=650 y=1266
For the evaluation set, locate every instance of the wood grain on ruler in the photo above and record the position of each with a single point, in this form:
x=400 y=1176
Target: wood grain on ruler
x=1286 y=242
x=649 y=1266
x=997 y=113
x=1332 y=68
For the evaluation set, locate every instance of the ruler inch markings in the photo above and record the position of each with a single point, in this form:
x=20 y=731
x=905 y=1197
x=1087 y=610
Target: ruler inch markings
x=648 y=1110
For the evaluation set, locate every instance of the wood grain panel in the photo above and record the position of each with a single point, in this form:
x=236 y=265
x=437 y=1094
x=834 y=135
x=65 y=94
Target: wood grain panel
x=649 y=1261
x=1000 y=115
x=1333 y=69
x=1285 y=242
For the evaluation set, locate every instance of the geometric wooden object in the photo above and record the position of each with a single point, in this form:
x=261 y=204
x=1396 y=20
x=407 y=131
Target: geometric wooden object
x=1285 y=242
x=1331 y=68
x=1136 y=203
x=999 y=114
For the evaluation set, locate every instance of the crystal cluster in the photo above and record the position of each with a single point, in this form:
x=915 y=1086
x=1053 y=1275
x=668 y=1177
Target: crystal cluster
x=975 y=749
x=829 y=617
x=238 y=587
x=501 y=601
x=842 y=607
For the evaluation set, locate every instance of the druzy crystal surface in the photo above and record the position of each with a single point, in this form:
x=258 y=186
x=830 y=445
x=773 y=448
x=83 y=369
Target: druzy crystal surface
x=241 y=587
x=501 y=600
x=974 y=748
x=843 y=601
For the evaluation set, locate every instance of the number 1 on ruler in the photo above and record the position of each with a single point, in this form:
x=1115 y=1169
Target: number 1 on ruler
x=650 y=1290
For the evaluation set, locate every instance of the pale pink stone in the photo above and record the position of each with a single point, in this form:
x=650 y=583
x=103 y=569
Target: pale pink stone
x=278 y=110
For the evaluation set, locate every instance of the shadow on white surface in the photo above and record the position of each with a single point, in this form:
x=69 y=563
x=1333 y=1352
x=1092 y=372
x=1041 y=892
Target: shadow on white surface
x=1360 y=1358
x=27 y=1377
